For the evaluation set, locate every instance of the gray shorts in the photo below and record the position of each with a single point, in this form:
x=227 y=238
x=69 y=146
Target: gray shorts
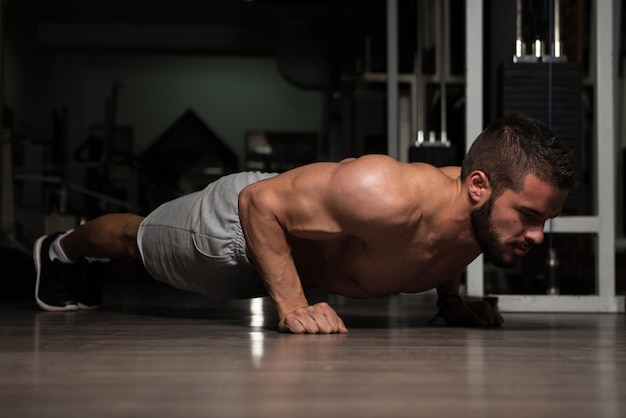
x=196 y=243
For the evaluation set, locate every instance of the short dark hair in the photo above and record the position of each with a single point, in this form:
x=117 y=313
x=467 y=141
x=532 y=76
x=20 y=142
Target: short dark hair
x=513 y=147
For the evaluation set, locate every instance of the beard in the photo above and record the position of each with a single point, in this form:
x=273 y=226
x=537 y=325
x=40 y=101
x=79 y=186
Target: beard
x=485 y=235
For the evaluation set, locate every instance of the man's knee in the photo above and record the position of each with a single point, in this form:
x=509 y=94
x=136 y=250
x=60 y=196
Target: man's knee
x=130 y=231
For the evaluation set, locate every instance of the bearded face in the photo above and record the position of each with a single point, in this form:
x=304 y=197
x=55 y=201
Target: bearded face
x=485 y=234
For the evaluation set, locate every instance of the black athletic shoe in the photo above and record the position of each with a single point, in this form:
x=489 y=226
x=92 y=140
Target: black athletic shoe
x=88 y=284
x=54 y=286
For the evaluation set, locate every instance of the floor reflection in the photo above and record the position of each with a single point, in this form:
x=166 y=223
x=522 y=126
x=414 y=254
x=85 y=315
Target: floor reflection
x=257 y=322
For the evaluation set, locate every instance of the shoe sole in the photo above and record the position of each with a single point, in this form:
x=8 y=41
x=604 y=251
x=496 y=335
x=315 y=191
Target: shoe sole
x=42 y=304
x=88 y=307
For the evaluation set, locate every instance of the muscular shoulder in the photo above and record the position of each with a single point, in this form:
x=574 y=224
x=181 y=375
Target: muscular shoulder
x=370 y=171
x=380 y=173
x=391 y=188
x=376 y=189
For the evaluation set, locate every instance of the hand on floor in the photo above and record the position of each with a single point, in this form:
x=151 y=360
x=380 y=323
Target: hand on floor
x=315 y=319
x=478 y=313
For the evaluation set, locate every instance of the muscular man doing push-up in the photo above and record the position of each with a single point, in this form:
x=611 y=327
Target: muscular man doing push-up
x=364 y=227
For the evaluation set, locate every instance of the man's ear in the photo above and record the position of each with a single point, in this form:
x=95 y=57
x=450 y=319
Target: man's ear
x=479 y=188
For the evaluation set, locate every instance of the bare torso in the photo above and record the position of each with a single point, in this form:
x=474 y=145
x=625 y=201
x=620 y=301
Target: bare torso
x=412 y=259
x=349 y=267
x=364 y=228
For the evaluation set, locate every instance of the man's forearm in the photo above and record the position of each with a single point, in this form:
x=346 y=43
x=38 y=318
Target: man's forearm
x=285 y=289
x=271 y=254
x=277 y=269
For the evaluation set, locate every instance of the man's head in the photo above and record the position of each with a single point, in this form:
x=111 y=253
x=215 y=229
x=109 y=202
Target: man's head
x=528 y=173
x=513 y=147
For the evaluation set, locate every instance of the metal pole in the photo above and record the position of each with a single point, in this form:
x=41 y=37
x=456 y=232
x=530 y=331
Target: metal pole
x=392 y=78
x=519 y=37
x=474 y=110
x=557 y=29
x=444 y=51
x=422 y=33
x=605 y=148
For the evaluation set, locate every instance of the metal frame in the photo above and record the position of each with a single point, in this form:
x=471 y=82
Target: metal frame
x=402 y=129
x=392 y=78
x=603 y=224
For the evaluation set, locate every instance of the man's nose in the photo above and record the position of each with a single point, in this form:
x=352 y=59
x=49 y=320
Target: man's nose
x=535 y=234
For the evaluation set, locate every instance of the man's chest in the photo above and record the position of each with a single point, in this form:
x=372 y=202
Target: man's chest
x=403 y=266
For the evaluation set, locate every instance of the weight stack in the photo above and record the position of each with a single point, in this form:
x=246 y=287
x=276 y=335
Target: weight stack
x=525 y=89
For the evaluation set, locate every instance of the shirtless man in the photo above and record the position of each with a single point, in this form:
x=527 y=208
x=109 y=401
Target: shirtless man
x=361 y=228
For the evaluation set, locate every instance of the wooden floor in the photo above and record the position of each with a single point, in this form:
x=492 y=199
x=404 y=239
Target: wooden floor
x=156 y=353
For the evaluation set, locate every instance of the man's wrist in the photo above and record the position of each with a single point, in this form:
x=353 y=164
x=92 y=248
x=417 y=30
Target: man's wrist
x=443 y=303
x=448 y=300
x=285 y=309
